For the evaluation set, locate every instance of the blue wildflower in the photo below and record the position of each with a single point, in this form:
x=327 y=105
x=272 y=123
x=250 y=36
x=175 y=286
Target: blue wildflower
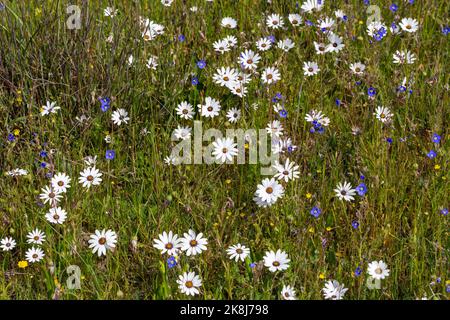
x=105 y=103
x=444 y=211
x=43 y=164
x=393 y=7
x=283 y=113
x=446 y=30
x=436 y=138
x=181 y=38
x=337 y=101
x=43 y=154
x=11 y=137
x=315 y=211
x=194 y=81
x=389 y=140
x=362 y=177
x=272 y=38
x=252 y=265
x=361 y=189
x=355 y=224
x=201 y=64
x=110 y=154
x=431 y=154
x=371 y=92
x=309 y=23
x=171 y=262
x=358 y=271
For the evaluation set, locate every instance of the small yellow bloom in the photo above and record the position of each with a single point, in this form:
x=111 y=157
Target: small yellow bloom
x=311 y=230
x=22 y=264
x=360 y=38
x=328 y=229
x=437 y=167
x=228 y=181
x=447 y=282
x=272 y=224
x=321 y=276
x=82 y=277
x=246 y=146
x=308 y=195
x=215 y=225
x=19 y=99
x=361 y=22
x=16 y=132
x=37 y=12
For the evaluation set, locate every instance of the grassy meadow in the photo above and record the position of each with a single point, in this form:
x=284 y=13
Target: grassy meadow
x=401 y=219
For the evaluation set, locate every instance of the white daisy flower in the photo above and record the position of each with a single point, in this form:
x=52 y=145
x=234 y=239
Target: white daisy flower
x=34 y=255
x=102 y=241
x=274 y=21
x=224 y=149
x=17 y=172
x=275 y=128
x=288 y=293
x=211 y=108
x=378 y=270
x=193 y=243
x=310 y=68
x=269 y=191
x=61 y=182
x=317 y=117
x=336 y=44
x=344 y=191
x=188 y=283
x=276 y=261
x=402 y=57
x=225 y=76
x=90 y=177
x=36 y=236
x=7 y=244
x=295 y=19
x=383 y=114
x=263 y=44
x=185 y=110
x=409 y=25
x=231 y=40
x=120 y=116
x=333 y=290
x=50 y=195
x=357 y=68
x=50 y=107
x=110 y=12
x=233 y=115
x=221 y=46
x=166 y=3
x=286 y=172
x=249 y=59
x=182 y=133
x=286 y=44
x=321 y=48
x=310 y=5
x=228 y=22
x=152 y=62
x=238 y=252
x=56 y=215
x=168 y=243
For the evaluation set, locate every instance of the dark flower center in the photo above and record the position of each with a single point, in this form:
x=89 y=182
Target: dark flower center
x=102 y=240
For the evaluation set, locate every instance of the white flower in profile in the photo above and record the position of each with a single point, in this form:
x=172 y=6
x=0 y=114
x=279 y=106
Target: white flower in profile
x=288 y=293
x=231 y=40
x=167 y=3
x=36 y=237
x=90 y=177
x=263 y=44
x=110 y=12
x=310 y=5
x=90 y=161
x=378 y=270
x=310 y=68
x=188 y=283
x=185 y=110
x=120 y=116
x=211 y=108
x=50 y=195
x=321 y=48
x=34 y=255
x=17 y=172
x=238 y=252
x=61 y=182
x=276 y=261
x=286 y=44
x=345 y=191
x=295 y=19
x=193 y=243
x=274 y=21
x=56 y=215
x=326 y=24
x=168 y=243
x=102 y=241
x=409 y=25
x=171 y=160
x=269 y=191
x=357 y=68
x=7 y=244
x=402 y=57
x=286 y=172
x=224 y=149
x=130 y=60
x=383 y=114
x=333 y=290
x=152 y=62
x=228 y=22
x=50 y=107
